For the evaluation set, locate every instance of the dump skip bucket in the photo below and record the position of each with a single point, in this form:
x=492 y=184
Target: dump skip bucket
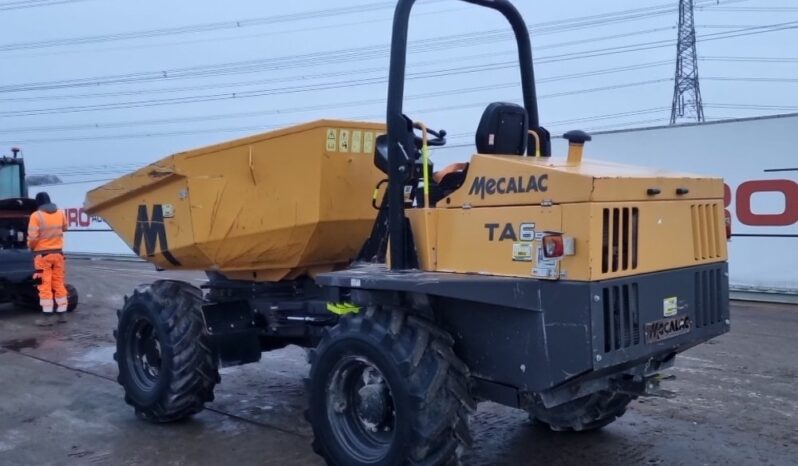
x=268 y=207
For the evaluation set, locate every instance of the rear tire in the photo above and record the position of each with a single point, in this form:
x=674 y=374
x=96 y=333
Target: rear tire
x=584 y=414
x=72 y=298
x=27 y=296
x=386 y=388
x=165 y=365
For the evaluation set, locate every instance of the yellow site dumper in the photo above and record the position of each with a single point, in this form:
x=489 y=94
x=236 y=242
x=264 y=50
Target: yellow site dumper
x=559 y=286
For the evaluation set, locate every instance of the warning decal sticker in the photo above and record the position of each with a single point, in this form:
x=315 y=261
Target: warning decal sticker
x=670 y=306
x=343 y=145
x=357 y=141
x=544 y=268
x=368 y=142
x=522 y=252
x=332 y=139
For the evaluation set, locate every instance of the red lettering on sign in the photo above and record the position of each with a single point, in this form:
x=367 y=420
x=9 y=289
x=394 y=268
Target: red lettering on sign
x=83 y=218
x=788 y=217
x=727 y=197
x=77 y=217
x=72 y=217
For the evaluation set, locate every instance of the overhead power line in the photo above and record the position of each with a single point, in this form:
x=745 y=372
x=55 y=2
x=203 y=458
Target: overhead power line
x=613 y=126
x=750 y=31
x=754 y=107
x=77 y=182
x=563 y=124
x=607 y=18
x=493 y=66
x=756 y=9
x=371 y=81
x=646 y=111
x=752 y=59
x=287 y=90
x=271 y=31
x=360 y=54
x=635 y=123
x=594 y=21
x=763 y=79
x=430 y=110
x=205 y=27
x=91 y=170
x=336 y=105
x=284 y=63
x=25 y=4
x=256 y=93
x=599 y=52
x=631 y=124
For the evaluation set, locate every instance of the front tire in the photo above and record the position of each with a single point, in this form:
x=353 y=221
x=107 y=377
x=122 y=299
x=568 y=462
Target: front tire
x=165 y=365
x=386 y=388
x=591 y=412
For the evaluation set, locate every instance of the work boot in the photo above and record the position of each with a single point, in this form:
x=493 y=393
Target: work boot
x=62 y=318
x=46 y=320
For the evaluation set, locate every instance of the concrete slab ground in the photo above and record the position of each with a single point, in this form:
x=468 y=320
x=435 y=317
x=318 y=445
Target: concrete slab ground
x=60 y=404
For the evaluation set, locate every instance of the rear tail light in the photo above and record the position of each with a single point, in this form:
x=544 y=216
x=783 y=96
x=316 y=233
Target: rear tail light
x=556 y=246
x=553 y=246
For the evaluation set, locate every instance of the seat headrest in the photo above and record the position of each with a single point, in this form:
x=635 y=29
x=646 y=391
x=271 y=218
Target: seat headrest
x=503 y=129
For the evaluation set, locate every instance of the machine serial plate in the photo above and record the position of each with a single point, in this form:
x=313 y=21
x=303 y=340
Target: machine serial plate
x=668 y=328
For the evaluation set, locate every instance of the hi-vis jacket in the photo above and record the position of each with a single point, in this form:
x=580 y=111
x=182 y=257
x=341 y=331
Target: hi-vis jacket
x=46 y=229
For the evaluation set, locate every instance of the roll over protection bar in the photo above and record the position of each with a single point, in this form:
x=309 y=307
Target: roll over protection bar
x=400 y=131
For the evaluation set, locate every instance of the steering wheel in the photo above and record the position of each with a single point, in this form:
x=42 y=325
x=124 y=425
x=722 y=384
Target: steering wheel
x=438 y=139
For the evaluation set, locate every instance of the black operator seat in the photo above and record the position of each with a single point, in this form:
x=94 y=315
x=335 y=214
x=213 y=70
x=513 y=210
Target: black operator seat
x=502 y=130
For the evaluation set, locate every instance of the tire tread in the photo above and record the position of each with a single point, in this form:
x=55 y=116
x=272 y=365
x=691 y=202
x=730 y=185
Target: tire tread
x=437 y=381
x=194 y=366
x=591 y=412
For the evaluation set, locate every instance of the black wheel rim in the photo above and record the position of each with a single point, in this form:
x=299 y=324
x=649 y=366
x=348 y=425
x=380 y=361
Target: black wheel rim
x=360 y=409
x=144 y=356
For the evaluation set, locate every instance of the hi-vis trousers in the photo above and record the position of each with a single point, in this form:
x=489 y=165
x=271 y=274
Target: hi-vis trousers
x=50 y=269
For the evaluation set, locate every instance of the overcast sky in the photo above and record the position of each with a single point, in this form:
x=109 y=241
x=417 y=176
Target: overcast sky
x=197 y=72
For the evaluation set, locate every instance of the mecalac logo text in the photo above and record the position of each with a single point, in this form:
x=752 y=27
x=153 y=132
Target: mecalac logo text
x=152 y=232
x=509 y=185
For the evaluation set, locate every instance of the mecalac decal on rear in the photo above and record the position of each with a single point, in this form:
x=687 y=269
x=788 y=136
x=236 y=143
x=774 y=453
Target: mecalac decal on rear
x=152 y=233
x=483 y=185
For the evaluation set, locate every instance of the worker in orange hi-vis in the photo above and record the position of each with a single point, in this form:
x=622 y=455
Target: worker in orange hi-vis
x=46 y=240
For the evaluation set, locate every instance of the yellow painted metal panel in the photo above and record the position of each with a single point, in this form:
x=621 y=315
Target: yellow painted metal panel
x=266 y=207
x=611 y=240
x=485 y=241
x=497 y=180
x=667 y=235
x=425 y=236
x=501 y=180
